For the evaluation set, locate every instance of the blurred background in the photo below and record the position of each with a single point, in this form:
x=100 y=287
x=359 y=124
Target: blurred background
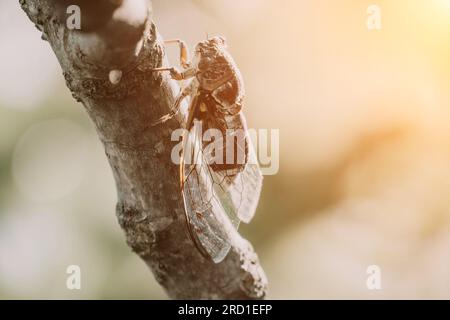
x=364 y=152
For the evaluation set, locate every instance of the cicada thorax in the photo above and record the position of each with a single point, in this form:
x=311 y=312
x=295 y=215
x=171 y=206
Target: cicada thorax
x=219 y=107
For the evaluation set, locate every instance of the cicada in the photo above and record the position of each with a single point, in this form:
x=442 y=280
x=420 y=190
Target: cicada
x=219 y=176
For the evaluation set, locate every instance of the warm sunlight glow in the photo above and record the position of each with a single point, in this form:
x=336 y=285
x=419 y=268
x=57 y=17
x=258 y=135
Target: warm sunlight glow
x=445 y=4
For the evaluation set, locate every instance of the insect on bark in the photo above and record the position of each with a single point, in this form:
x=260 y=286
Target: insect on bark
x=219 y=177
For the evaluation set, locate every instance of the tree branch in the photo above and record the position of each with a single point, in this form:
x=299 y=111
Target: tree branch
x=122 y=104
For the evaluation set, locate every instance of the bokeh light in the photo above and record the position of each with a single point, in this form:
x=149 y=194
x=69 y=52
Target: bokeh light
x=49 y=160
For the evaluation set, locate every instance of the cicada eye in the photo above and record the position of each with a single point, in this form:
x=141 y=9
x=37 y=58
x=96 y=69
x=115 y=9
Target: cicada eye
x=219 y=41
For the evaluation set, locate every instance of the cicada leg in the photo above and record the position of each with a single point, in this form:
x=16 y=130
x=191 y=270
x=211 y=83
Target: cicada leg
x=186 y=91
x=188 y=71
x=184 y=51
x=173 y=112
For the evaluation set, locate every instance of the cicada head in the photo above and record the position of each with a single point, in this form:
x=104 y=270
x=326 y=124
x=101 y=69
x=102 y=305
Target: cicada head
x=210 y=46
x=214 y=43
x=207 y=51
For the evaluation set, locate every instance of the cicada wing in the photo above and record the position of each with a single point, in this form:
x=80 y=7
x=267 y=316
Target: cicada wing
x=240 y=192
x=210 y=227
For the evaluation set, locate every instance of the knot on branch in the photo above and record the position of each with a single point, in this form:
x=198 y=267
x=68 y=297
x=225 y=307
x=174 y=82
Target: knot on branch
x=139 y=234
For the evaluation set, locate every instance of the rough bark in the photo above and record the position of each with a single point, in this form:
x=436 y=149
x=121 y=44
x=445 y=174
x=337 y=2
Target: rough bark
x=149 y=208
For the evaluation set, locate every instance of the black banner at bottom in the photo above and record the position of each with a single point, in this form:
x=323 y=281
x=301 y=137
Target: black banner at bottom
x=206 y=309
